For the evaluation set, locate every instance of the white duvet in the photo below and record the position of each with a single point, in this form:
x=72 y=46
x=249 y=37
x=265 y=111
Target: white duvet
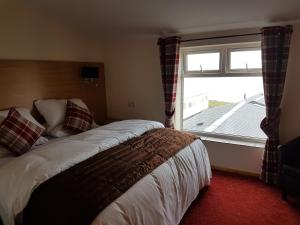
x=162 y=197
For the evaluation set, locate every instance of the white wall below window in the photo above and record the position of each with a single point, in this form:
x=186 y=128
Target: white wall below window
x=235 y=157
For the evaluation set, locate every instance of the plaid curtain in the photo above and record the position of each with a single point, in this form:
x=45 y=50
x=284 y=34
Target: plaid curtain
x=169 y=60
x=275 y=53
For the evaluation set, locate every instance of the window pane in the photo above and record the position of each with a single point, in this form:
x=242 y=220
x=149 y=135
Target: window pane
x=250 y=59
x=224 y=105
x=206 y=61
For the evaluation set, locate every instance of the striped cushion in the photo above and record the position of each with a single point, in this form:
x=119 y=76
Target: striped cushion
x=17 y=133
x=77 y=118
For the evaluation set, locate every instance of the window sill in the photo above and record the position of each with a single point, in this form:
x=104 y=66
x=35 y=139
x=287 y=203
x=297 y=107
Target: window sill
x=233 y=142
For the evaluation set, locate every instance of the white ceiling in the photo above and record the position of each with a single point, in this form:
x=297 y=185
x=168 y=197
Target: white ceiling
x=151 y=17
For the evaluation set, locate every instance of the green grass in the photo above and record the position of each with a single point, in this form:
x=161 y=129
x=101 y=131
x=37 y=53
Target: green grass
x=213 y=103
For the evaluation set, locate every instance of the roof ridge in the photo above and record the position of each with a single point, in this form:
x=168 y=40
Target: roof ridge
x=223 y=118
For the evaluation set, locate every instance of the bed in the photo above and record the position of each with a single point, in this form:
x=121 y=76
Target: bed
x=161 y=197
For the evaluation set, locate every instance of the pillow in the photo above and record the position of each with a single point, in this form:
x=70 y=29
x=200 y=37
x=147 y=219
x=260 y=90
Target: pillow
x=77 y=119
x=24 y=112
x=17 y=133
x=41 y=141
x=4 y=152
x=59 y=131
x=54 y=110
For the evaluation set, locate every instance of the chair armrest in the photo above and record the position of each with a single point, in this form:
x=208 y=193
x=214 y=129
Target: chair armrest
x=290 y=153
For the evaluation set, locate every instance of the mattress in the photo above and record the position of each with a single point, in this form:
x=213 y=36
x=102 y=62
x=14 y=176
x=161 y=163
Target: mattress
x=162 y=197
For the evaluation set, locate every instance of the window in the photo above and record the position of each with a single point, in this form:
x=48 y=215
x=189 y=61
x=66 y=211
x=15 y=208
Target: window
x=203 y=62
x=222 y=91
x=245 y=60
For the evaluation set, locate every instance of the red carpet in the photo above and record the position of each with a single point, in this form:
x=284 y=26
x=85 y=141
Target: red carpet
x=238 y=200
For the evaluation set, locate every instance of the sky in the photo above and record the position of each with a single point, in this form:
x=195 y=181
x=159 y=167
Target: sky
x=228 y=89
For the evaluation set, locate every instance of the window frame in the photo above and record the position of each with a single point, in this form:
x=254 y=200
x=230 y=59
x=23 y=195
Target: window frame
x=223 y=72
x=240 y=49
x=224 y=60
x=202 y=51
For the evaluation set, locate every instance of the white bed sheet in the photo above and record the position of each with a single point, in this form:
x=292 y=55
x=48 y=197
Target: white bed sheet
x=4 y=160
x=159 y=198
x=10 y=157
x=162 y=197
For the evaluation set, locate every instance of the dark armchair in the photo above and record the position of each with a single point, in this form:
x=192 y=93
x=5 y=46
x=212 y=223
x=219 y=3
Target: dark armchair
x=289 y=160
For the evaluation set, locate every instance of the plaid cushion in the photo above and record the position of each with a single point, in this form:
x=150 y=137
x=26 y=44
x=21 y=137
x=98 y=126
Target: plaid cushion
x=77 y=118
x=17 y=133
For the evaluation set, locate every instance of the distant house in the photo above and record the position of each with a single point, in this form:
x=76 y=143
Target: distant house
x=195 y=104
x=237 y=119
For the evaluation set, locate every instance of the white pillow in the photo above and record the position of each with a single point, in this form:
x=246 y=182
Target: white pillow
x=54 y=110
x=41 y=141
x=59 y=132
x=24 y=112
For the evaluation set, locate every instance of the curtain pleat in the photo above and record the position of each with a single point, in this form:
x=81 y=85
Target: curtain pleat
x=169 y=61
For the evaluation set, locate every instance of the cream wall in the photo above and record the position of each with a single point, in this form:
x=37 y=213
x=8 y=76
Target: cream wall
x=134 y=88
x=290 y=114
x=28 y=34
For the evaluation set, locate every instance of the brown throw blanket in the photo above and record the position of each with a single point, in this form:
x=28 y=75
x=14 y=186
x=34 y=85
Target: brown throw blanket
x=77 y=195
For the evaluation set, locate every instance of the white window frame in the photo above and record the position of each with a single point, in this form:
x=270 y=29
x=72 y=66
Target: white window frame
x=223 y=72
x=236 y=49
x=202 y=51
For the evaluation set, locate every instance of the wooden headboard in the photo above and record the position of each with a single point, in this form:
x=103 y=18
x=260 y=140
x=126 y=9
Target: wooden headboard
x=23 y=81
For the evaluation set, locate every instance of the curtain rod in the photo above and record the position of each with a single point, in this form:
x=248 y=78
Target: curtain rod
x=219 y=37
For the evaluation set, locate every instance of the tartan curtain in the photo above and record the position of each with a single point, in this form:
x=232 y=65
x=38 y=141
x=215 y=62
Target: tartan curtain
x=169 y=61
x=275 y=53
